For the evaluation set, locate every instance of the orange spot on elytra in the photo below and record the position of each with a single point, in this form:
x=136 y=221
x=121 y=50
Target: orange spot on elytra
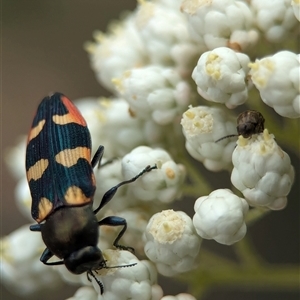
x=74 y=115
x=34 y=132
x=75 y=196
x=37 y=170
x=69 y=157
x=45 y=207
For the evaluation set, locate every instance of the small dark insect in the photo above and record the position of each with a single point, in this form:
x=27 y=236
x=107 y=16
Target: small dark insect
x=62 y=183
x=248 y=122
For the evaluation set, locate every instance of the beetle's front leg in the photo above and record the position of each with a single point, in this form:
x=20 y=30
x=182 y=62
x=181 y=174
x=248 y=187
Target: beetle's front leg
x=46 y=255
x=117 y=221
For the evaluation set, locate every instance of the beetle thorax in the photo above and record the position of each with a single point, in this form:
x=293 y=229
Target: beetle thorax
x=69 y=229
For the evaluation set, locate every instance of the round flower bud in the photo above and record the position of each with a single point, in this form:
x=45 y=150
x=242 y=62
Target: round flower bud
x=154 y=92
x=221 y=23
x=162 y=184
x=221 y=216
x=262 y=171
x=220 y=76
x=171 y=242
x=274 y=17
x=127 y=282
x=277 y=91
x=202 y=126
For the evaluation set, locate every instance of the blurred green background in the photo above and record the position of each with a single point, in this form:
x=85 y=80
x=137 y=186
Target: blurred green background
x=42 y=52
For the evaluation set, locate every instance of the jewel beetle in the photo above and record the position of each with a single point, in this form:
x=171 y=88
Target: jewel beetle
x=248 y=122
x=62 y=183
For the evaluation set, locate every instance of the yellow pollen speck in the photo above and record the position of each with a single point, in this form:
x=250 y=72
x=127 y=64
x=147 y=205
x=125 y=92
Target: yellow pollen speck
x=212 y=57
x=99 y=36
x=242 y=142
x=266 y=135
x=170 y=173
x=89 y=47
x=253 y=66
x=118 y=84
x=167 y=227
x=37 y=170
x=45 y=207
x=192 y=6
x=268 y=64
x=105 y=102
x=189 y=114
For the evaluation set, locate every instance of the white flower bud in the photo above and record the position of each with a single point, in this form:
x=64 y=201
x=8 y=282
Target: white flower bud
x=154 y=92
x=296 y=8
x=221 y=216
x=20 y=267
x=117 y=51
x=151 y=17
x=274 y=17
x=162 y=184
x=179 y=297
x=202 y=126
x=85 y=293
x=277 y=91
x=220 y=76
x=262 y=171
x=171 y=242
x=133 y=282
x=221 y=23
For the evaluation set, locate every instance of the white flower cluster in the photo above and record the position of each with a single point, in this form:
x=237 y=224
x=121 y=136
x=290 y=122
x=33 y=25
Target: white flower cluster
x=280 y=92
x=275 y=18
x=221 y=23
x=20 y=265
x=148 y=60
x=202 y=126
x=262 y=171
x=154 y=92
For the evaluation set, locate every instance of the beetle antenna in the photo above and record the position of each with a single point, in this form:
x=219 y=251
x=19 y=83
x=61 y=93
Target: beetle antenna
x=96 y=279
x=122 y=266
x=225 y=137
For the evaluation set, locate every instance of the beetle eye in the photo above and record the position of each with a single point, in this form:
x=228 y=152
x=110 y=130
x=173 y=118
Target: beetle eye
x=85 y=259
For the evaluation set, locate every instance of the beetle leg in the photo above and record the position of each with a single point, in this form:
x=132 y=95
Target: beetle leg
x=111 y=192
x=116 y=221
x=36 y=227
x=97 y=157
x=46 y=255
